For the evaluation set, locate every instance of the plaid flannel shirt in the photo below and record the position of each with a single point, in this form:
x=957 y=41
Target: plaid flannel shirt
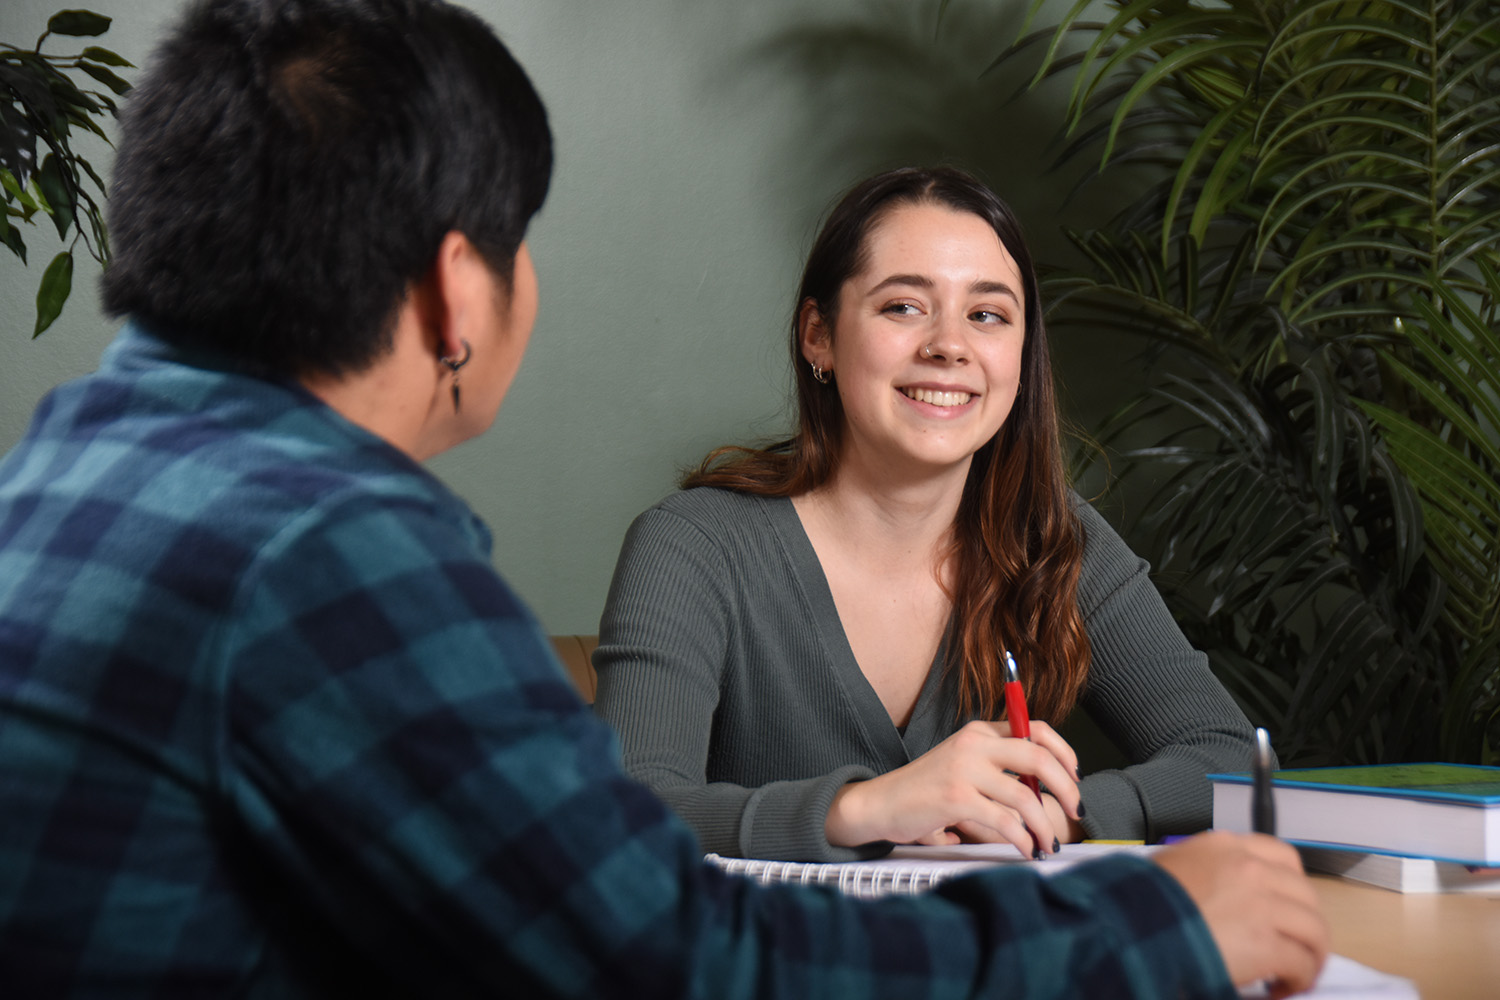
x=271 y=725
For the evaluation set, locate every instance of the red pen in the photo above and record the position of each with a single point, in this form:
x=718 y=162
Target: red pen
x=1020 y=727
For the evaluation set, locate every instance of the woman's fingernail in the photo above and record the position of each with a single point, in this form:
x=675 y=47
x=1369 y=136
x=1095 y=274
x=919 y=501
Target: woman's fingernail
x=1036 y=854
x=1055 y=846
x=1077 y=774
x=1082 y=812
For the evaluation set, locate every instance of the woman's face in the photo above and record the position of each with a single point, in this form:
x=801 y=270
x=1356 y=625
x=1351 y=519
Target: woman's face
x=926 y=347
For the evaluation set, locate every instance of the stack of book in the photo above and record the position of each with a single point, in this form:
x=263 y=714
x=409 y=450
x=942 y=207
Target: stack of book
x=1407 y=827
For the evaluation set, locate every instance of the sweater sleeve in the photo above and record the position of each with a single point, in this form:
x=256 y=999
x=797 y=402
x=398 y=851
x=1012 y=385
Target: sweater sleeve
x=1152 y=693
x=664 y=637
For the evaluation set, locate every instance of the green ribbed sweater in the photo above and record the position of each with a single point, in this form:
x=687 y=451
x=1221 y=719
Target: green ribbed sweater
x=724 y=668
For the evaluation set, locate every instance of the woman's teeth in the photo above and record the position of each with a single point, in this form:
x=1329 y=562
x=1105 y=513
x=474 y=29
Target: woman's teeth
x=936 y=398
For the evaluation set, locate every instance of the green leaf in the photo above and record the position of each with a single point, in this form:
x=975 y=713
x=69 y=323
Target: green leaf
x=1325 y=196
x=89 y=124
x=1343 y=28
x=57 y=282
x=11 y=237
x=78 y=23
x=1164 y=68
x=38 y=196
x=105 y=57
x=105 y=77
x=1289 y=95
x=1062 y=31
x=59 y=193
x=1212 y=199
x=19 y=193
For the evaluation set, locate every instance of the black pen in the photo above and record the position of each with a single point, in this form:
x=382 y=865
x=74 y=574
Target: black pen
x=1262 y=801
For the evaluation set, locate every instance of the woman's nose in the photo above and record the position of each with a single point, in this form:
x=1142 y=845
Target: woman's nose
x=946 y=344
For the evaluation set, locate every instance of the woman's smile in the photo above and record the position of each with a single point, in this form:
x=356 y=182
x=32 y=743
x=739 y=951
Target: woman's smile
x=944 y=399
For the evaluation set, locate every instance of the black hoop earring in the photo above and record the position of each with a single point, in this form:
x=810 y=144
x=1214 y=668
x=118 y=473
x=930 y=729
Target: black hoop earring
x=454 y=364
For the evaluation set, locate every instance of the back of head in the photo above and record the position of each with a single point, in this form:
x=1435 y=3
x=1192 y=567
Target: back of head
x=288 y=168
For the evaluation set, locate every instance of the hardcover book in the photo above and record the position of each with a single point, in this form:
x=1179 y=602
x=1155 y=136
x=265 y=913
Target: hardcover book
x=1447 y=812
x=1400 y=873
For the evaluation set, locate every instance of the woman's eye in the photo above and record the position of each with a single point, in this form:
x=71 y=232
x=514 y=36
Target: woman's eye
x=900 y=309
x=989 y=316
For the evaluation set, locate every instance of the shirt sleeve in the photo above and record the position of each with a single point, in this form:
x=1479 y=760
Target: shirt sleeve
x=664 y=639
x=414 y=777
x=1153 y=694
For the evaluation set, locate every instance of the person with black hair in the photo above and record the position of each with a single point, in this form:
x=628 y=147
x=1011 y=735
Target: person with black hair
x=271 y=724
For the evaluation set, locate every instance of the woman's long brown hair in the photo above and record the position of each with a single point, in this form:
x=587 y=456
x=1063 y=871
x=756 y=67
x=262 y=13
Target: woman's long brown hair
x=1017 y=544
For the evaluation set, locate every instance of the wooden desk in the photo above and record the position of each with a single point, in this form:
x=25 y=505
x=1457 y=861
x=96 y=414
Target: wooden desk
x=1448 y=944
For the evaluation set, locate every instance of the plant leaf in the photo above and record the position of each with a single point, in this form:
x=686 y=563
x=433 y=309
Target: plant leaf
x=105 y=77
x=78 y=23
x=11 y=237
x=105 y=57
x=57 y=282
x=58 y=191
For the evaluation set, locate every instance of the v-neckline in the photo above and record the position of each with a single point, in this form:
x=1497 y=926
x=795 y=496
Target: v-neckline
x=926 y=714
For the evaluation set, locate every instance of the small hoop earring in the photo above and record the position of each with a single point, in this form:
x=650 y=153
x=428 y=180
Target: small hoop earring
x=821 y=374
x=454 y=364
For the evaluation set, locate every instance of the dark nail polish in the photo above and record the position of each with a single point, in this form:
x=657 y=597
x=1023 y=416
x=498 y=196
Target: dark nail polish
x=1036 y=854
x=1082 y=812
x=1077 y=774
x=1055 y=846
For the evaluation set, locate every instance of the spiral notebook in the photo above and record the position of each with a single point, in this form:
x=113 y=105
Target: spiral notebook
x=911 y=869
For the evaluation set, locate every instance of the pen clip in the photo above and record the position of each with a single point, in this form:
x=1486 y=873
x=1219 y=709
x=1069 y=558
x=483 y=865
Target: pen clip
x=1263 y=798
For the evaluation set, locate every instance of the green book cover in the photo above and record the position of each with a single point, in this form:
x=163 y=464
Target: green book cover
x=1467 y=783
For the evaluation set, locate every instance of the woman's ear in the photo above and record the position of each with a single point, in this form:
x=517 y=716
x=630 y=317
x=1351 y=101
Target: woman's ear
x=814 y=335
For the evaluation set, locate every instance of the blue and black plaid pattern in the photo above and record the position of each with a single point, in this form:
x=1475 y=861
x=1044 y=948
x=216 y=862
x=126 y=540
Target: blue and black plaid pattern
x=270 y=725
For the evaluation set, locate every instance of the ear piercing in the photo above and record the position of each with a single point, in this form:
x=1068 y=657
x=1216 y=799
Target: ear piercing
x=454 y=364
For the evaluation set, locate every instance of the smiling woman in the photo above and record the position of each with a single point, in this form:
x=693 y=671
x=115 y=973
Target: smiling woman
x=802 y=650
x=928 y=347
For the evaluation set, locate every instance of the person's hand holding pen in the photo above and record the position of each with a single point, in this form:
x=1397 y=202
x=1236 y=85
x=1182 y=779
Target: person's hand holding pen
x=979 y=785
x=964 y=789
x=1259 y=906
x=1251 y=890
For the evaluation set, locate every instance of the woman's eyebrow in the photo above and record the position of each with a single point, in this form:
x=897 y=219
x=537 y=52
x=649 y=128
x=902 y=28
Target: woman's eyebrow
x=904 y=279
x=981 y=287
x=994 y=288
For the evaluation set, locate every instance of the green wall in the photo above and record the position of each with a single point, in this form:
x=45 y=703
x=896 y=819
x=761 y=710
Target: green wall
x=698 y=142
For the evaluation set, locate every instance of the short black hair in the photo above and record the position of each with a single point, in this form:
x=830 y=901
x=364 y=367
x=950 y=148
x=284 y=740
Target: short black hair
x=288 y=168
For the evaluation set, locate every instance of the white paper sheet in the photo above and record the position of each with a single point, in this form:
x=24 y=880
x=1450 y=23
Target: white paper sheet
x=1345 y=979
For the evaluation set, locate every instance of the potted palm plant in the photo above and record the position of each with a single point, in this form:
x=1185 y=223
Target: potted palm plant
x=1316 y=278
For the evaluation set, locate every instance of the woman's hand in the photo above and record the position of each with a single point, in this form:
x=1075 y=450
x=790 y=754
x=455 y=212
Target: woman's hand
x=965 y=789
